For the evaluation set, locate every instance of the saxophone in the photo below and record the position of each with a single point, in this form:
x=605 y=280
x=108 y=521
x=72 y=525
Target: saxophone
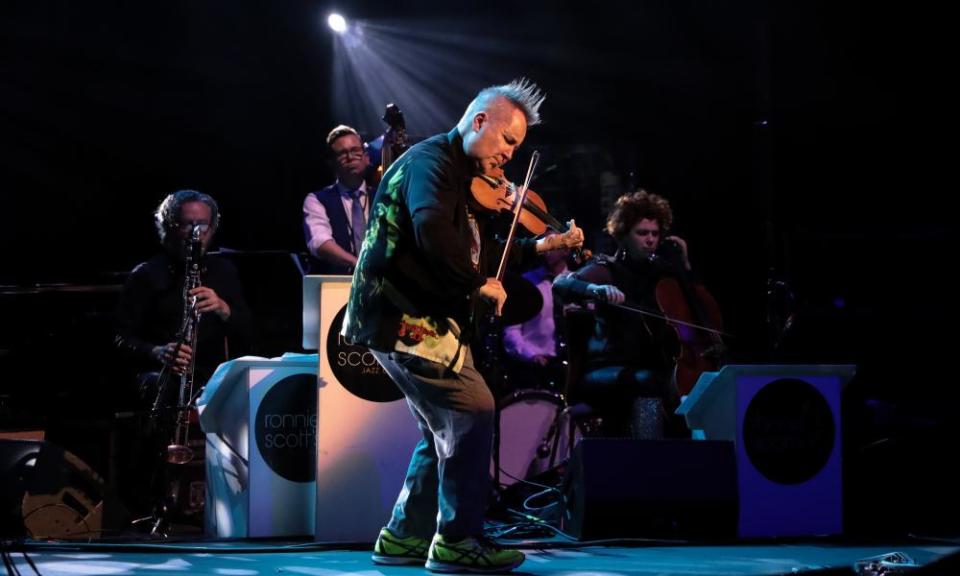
x=178 y=450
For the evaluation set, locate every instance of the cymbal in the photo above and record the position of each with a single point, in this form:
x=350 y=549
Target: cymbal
x=524 y=301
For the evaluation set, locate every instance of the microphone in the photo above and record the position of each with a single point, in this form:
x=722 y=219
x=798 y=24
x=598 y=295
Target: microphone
x=193 y=244
x=668 y=254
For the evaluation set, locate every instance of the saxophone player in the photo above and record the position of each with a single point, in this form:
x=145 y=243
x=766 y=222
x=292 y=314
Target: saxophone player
x=150 y=315
x=151 y=304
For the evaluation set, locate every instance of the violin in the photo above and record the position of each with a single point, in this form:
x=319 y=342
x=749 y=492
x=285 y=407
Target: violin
x=496 y=194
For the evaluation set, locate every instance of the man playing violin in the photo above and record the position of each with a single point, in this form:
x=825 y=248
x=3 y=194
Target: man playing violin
x=628 y=372
x=425 y=265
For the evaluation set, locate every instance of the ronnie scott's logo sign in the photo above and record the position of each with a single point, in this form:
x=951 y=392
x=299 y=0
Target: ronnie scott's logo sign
x=286 y=427
x=356 y=369
x=789 y=431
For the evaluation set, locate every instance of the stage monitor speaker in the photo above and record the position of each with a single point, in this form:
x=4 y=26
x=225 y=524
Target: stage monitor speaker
x=47 y=492
x=621 y=488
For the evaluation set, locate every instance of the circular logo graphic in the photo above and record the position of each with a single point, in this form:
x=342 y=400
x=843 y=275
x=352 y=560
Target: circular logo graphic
x=286 y=427
x=789 y=431
x=356 y=368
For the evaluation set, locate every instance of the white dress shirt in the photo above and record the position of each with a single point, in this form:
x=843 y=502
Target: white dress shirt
x=316 y=219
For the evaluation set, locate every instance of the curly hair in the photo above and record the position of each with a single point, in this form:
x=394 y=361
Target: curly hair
x=167 y=216
x=634 y=207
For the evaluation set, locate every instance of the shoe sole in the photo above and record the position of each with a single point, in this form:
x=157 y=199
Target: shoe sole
x=397 y=560
x=450 y=568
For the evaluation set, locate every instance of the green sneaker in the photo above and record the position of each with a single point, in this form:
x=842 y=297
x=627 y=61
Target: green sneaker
x=394 y=551
x=471 y=555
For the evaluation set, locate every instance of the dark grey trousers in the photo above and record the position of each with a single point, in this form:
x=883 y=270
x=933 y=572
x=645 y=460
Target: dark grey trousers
x=448 y=479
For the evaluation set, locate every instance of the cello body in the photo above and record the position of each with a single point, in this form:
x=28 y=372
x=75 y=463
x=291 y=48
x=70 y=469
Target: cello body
x=699 y=350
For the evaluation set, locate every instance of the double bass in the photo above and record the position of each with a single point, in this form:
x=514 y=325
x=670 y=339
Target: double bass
x=394 y=141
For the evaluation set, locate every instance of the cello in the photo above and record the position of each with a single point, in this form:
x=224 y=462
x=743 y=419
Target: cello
x=694 y=315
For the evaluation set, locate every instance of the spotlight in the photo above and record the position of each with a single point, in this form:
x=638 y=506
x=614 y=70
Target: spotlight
x=337 y=23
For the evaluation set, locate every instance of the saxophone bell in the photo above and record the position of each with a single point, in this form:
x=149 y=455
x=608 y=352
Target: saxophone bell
x=179 y=453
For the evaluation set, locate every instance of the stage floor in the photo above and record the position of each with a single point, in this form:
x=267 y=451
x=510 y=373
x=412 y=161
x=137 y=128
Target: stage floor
x=253 y=558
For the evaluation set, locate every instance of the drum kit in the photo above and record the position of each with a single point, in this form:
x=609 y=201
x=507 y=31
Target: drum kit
x=536 y=435
x=523 y=300
x=535 y=432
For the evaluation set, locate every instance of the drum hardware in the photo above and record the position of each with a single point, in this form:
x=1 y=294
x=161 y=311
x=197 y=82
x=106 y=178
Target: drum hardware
x=535 y=433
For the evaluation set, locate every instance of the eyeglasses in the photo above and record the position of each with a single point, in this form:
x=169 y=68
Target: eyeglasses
x=355 y=151
x=188 y=226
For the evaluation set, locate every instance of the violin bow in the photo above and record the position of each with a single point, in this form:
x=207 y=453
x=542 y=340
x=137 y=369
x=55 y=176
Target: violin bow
x=521 y=197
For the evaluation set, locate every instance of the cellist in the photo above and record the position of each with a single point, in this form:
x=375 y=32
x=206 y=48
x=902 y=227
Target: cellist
x=628 y=375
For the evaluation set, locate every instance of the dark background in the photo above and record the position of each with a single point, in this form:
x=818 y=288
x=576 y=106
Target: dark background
x=797 y=142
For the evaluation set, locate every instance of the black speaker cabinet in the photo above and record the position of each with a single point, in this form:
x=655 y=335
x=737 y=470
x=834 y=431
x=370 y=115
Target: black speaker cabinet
x=619 y=488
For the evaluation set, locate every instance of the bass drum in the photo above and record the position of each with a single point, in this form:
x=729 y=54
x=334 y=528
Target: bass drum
x=536 y=435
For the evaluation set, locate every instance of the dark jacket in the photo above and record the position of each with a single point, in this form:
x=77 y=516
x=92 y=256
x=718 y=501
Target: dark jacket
x=416 y=253
x=151 y=306
x=622 y=337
